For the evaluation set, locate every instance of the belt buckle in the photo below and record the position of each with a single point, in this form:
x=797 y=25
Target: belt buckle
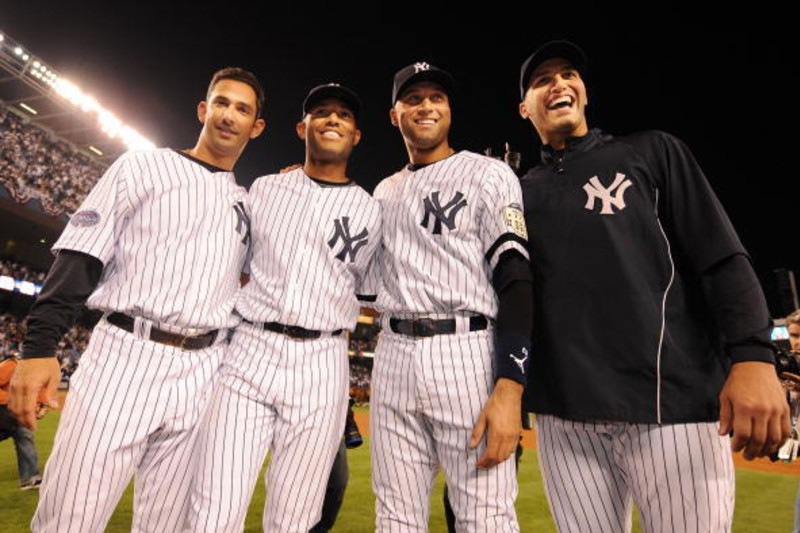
x=294 y=332
x=423 y=327
x=182 y=345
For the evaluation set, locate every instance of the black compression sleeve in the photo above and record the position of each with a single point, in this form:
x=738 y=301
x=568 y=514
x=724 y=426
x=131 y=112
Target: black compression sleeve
x=739 y=309
x=72 y=278
x=513 y=283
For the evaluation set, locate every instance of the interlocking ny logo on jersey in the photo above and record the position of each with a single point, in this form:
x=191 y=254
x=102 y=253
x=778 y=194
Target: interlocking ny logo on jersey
x=443 y=214
x=594 y=190
x=242 y=222
x=351 y=243
x=419 y=67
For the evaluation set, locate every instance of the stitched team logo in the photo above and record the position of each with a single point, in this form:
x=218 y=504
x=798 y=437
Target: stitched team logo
x=351 y=243
x=442 y=214
x=242 y=222
x=594 y=190
x=85 y=219
x=420 y=67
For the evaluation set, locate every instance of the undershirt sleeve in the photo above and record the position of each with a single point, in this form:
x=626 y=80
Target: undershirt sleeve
x=513 y=282
x=69 y=283
x=739 y=309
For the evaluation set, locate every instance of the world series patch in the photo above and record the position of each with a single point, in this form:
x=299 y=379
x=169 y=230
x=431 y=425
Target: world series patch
x=515 y=220
x=85 y=219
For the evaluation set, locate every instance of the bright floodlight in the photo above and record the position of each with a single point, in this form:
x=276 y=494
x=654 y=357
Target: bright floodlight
x=47 y=79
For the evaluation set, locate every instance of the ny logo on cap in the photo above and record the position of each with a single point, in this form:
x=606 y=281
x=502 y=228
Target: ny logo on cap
x=443 y=214
x=351 y=243
x=418 y=67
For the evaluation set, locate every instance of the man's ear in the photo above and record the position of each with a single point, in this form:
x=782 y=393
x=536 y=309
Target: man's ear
x=258 y=128
x=301 y=130
x=393 y=117
x=523 y=110
x=202 y=109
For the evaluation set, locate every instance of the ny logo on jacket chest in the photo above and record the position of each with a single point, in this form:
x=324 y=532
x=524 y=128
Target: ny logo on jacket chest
x=350 y=243
x=613 y=195
x=442 y=214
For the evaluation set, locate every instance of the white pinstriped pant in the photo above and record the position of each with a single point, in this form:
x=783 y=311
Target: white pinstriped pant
x=275 y=393
x=133 y=409
x=427 y=394
x=681 y=476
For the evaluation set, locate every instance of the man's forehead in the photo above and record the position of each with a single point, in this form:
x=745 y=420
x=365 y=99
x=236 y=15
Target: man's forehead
x=426 y=85
x=553 y=65
x=229 y=88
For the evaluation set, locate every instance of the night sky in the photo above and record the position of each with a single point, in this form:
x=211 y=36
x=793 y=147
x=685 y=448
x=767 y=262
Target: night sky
x=722 y=84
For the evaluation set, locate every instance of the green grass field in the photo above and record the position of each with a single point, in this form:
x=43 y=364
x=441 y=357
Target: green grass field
x=764 y=502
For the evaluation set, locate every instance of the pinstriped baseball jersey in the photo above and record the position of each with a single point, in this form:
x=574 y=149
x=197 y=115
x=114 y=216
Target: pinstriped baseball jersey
x=438 y=220
x=164 y=225
x=308 y=263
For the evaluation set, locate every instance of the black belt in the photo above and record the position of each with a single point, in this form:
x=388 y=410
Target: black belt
x=294 y=332
x=428 y=327
x=184 y=342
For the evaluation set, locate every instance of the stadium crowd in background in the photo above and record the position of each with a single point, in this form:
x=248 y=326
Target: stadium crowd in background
x=33 y=166
x=70 y=348
x=22 y=272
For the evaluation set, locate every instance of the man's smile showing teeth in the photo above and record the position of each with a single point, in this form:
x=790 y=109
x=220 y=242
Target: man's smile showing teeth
x=425 y=121
x=332 y=134
x=564 y=101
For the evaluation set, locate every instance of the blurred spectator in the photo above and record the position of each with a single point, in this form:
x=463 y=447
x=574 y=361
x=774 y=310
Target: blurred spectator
x=32 y=165
x=21 y=272
x=27 y=457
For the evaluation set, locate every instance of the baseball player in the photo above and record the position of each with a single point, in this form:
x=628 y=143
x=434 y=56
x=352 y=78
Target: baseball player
x=452 y=359
x=654 y=339
x=284 y=380
x=158 y=245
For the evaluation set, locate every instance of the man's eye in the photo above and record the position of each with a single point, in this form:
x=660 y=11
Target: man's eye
x=544 y=80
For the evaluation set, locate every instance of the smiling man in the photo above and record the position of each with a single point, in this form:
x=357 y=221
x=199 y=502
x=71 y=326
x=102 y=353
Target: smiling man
x=452 y=358
x=284 y=380
x=653 y=340
x=158 y=246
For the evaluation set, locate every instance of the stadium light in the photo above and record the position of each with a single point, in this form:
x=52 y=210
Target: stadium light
x=28 y=108
x=46 y=79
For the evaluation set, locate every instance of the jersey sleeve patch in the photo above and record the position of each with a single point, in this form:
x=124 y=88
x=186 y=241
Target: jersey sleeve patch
x=85 y=219
x=515 y=220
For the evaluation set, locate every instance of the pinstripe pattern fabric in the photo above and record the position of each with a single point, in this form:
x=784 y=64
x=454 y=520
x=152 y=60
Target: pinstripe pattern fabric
x=170 y=239
x=296 y=276
x=279 y=394
x=424 y=272
x=132 y=409
x=427 y=394
x=681 y=476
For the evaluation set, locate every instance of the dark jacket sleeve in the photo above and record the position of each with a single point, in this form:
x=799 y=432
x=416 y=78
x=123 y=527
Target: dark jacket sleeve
x=71 y=280
x=513 y=282
x=739 y=308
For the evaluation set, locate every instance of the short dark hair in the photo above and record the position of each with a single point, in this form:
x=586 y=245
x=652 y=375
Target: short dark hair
x=244 y=76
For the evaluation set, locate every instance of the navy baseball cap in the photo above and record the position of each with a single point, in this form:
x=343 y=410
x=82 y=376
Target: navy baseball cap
x=564 y=49
x=333 y=90
x=421 y=71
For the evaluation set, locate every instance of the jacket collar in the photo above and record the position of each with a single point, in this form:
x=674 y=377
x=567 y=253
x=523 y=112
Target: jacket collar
x=573 y=144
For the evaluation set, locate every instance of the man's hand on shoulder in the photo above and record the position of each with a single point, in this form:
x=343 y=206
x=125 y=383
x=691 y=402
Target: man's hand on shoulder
x=501 y=421
x=30 y=377
x=753 y=405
